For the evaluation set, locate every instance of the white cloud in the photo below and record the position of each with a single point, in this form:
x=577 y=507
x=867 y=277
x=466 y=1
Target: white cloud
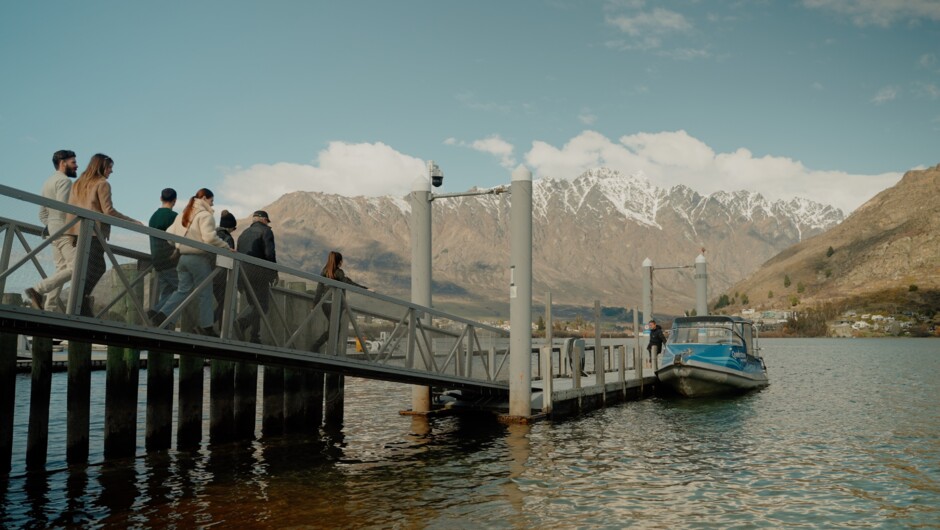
x=880 y=12
x=470 y=100
x=886 y=94
x=672 y=158
x=493 y=145
x=928 y=61
x=816 y=85
x=342 y=168
x=587 y=117
x=927 y=90
x=657 y=21
x=498 y=147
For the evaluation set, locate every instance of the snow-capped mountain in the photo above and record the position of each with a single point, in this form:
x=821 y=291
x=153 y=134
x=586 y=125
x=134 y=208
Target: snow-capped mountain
x=591 y=235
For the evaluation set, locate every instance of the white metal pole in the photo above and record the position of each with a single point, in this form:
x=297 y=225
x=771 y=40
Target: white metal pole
x=520 y=295
x=421 y=273
x=701 y=286
x=647 y=290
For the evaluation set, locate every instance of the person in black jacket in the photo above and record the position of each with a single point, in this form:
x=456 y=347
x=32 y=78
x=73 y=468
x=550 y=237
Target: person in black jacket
x=332 y=271
x=657 y=339
x=227 y=224
x=257 y=241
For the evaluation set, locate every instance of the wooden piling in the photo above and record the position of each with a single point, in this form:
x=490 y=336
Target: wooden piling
x=295 y=310
x=78 y=408
x=221 y=400
x=159 y=430
x=191 y=388
x=7 y=397
x=313 y=401
x=272 y=415
x=334 y=384
x=246 y=397
x=37 y=440
x=122 y=380
x=120 y=405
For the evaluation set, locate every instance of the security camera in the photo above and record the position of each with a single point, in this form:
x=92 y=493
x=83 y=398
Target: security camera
x=437 y=176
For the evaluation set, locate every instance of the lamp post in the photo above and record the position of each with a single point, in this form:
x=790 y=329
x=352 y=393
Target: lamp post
x=701 y=285
x=421 y=198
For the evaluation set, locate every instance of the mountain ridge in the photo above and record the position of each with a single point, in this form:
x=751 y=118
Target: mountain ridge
x=590 y=236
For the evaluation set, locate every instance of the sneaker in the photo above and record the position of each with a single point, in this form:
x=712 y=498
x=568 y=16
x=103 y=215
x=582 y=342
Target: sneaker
x=34 y=298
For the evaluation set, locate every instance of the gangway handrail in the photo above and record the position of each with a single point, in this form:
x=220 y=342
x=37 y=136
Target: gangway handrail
x=280 y=268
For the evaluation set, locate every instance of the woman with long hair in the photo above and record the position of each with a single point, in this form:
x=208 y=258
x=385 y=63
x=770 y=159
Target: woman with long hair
x=92 y=191
x=333 y=271
x=197 y=222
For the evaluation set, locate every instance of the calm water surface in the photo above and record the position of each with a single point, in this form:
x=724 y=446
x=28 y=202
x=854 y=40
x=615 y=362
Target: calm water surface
x=848 y=434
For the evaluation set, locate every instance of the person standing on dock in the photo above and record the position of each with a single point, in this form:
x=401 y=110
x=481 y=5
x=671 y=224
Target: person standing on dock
x=258 y=242
x=657 y=339
x=92 y=191
x=165 y=257
x=197 y=222
x=58 y=188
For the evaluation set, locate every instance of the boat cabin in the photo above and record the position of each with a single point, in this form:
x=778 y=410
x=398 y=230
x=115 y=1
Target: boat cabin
x=726 y=330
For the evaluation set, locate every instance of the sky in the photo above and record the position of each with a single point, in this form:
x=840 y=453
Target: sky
x=832 y=100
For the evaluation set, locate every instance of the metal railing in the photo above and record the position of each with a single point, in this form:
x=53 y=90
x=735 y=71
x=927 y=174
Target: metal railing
x=415 y=339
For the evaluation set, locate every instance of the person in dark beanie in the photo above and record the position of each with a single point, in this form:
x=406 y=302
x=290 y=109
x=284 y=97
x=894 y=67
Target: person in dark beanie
x=257 y=241
x=162 y=251
x=227 y=225
x=657 y=339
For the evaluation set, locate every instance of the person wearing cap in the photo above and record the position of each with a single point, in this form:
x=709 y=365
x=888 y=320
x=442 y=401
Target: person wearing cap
x=227 y=225
x=57 y=187
x=162 y=251
x=258 y=242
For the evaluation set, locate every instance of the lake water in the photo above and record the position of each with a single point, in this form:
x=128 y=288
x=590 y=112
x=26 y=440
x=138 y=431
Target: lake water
x=847 y=435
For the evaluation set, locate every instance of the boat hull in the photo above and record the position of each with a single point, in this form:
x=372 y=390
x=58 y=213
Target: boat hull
x=701 y=380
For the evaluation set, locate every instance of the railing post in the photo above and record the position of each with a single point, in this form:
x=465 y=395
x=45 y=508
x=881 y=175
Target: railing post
x=80 y=266
x=547 y=375
x=599 y=368
x=637 y=353
x=5 y=253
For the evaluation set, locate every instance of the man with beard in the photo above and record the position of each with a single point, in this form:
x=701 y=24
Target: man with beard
x=58 y=188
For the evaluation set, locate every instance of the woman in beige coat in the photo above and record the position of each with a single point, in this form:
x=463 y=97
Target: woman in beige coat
x=197 y=222
x=92 y=191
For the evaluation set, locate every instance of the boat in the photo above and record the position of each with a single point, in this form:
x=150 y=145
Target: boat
x=712 y=356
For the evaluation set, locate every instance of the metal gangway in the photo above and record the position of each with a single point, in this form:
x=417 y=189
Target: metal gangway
x=421 y=345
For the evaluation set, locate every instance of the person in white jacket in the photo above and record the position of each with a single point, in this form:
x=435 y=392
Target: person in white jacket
x=197 y=222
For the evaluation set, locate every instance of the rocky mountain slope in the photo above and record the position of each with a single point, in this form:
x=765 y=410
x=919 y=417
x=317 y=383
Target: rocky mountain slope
x=890 y=243
x=591 y=235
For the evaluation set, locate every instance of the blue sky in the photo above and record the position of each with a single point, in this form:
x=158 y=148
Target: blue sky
x=828 y=99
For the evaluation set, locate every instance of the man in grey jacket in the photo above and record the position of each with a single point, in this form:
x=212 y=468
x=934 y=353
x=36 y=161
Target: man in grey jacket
x=57 y=187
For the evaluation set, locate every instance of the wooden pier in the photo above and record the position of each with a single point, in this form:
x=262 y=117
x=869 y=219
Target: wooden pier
x=302 y=391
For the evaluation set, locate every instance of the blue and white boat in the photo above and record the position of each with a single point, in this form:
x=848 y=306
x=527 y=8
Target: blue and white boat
x=712 y=355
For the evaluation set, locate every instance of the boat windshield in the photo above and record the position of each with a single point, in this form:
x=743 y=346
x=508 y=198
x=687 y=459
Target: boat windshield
x=706 y=334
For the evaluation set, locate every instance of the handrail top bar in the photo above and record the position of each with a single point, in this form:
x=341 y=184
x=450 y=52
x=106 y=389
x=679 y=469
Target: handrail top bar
x=36 y=230
x=160 y=234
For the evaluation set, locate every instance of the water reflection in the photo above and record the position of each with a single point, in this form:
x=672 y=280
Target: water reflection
x=811 y=450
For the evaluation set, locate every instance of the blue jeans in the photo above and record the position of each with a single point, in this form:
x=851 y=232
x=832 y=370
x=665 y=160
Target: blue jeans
x=192 y=270
x=167 y=284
